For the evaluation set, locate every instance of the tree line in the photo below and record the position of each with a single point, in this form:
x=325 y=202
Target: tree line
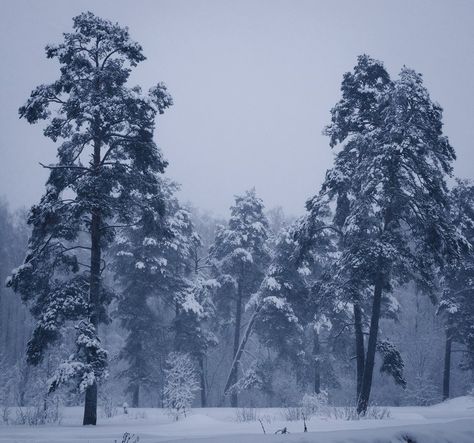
x=110 y=243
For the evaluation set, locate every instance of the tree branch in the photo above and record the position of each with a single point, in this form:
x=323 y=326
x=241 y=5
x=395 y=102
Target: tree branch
x=83 y=168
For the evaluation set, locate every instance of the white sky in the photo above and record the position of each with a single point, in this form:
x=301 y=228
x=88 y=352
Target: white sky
x=252 y=81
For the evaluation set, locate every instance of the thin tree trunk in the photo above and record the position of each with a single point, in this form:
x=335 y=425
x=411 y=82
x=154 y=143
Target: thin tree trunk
x=317 y=363
x=203 y=382
x=90 y=405
x=235 y=366
x=363 y=400
x=136 y=395
x=7 y=330
x=135 y=385
x=23 y=385
x=447 y=365
x=359 y=343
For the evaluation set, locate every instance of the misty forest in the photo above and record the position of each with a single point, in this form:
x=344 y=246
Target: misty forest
x=128 y=308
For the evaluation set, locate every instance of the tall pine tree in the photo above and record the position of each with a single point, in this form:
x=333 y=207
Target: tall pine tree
x=291 y=311
x=106 y=172
x=457 y=301
x=159 y=278
x=240 y=257
x=388 y=185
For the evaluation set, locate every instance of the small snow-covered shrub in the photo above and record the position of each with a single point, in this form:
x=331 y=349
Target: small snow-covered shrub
x=350 y=413
x=313 y=404
x=109 y=410
x=108 y=406
x=377 y=413
x=266 y=418
x=46 y=413
x=246 y=414
x=422 y=392
x=5 y=414
x=293 y=413
x=344 y=413
x=181 y=384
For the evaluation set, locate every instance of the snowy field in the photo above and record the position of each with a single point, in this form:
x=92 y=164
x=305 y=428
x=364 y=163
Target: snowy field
x=452 y=421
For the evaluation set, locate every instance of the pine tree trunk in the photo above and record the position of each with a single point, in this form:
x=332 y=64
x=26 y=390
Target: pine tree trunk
x=135 y=385
x=7 y=329
x=300 y=377
x=363 y=400
x=447 y=365
x=238 y=321
x=136 y=395
x=317 y=363
x=90 y=406
x=203 y=382
x=24 y=383
x=359 y=343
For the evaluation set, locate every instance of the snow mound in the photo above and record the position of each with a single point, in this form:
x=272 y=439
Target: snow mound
x=464 y=402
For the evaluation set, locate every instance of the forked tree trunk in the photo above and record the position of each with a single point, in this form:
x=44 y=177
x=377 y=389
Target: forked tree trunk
x=359 y=345
x=447 y=365
x=90 y=405
x=363 y=400
x=235 y=365
x=248 y=333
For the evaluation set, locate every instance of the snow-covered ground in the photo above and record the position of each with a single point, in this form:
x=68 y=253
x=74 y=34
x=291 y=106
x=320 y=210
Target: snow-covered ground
x=452 y=421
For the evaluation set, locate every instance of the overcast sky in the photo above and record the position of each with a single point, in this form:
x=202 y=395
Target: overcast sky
x=253 y=83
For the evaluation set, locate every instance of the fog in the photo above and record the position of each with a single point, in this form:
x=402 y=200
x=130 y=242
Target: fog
x=252 y=82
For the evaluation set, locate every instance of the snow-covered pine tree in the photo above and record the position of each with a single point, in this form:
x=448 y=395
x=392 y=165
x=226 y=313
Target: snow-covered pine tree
x=14 y=316
x=188 y=289
x=301 y=280
x=388 y=184
x=138 y=261
x=106 y=172
x=291 y=310
x=457 y=302
x=357 y=112
x=284 y=300
x=240 y=256
x=286 y=312
x=201 y=331
x=159 y=276
x=150 y=261
x=343 y=302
